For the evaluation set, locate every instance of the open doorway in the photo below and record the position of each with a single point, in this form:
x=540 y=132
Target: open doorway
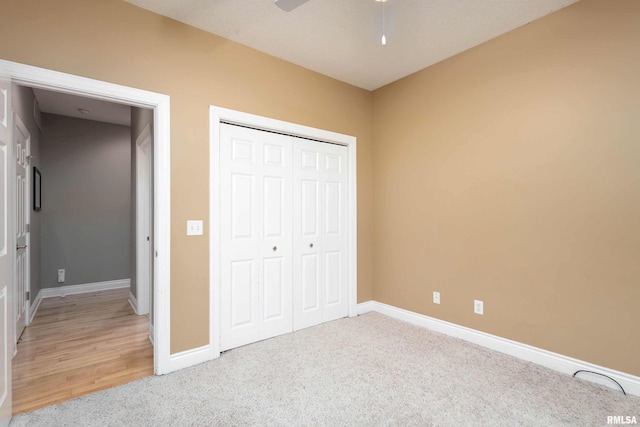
x=89 y=318
x=159 y=244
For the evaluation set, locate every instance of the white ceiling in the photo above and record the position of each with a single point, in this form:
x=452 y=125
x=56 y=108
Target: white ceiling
x=68 y=105
x=341 y=38
x=338 y=38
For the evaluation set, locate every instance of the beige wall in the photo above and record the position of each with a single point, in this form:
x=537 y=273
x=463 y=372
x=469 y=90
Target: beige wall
x=511 y=173
x=508 y=173
x=113 y=41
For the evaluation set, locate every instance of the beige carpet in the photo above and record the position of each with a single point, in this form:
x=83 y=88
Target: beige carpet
x=366 y=371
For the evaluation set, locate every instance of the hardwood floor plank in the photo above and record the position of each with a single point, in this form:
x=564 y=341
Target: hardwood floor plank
x=77 y=345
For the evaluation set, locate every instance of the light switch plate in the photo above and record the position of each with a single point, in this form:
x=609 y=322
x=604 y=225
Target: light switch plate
x=194 y=228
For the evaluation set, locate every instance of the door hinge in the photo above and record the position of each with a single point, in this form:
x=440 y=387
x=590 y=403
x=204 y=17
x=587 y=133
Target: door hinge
x=28 y=228
x=28 y=293
x=29 y=160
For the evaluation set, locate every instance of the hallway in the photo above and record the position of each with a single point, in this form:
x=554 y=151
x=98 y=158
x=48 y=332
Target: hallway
x=77 y=345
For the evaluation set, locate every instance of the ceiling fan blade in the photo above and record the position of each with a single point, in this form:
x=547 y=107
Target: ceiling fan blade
x=289 y=5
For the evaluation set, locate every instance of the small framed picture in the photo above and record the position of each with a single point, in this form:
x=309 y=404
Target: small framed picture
x=37 y=189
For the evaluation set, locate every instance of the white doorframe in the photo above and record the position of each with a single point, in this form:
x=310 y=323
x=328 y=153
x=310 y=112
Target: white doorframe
x=217 y=115
x=143 y=260
x=67 y=83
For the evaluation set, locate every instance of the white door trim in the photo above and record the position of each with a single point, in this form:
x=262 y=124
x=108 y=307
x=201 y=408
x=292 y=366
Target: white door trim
x=67 y=83
x=217 y=115
x=142 y=268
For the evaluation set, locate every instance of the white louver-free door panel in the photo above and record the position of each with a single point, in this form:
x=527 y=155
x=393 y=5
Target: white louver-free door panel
x=7 y=341
x=283 y=243
x=320 y=233
x=22 y=140
x=256 y=238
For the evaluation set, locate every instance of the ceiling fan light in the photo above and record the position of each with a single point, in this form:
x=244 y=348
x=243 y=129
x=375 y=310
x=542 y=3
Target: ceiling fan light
x=384 y=37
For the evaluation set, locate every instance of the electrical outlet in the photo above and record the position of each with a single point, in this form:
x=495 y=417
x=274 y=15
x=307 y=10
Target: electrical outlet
x=478 y=307
x=61 y=275
x=436 y=297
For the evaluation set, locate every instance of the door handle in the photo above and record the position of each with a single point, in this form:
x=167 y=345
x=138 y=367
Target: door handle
x=310 y=245
x=21 y=247
x=275 y=248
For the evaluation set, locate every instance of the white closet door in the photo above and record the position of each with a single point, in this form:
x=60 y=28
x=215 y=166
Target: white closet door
x=256 y=235
x=320 y=233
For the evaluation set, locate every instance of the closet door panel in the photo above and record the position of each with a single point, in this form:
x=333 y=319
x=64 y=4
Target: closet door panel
x=334 y=179
x=283 y=232
x=276 y=312
x=307 y=234
x=256 y=238
x=239 y=237
x=320 y=239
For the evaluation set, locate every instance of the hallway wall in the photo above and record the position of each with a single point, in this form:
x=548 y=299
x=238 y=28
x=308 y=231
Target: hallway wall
x=86 y=200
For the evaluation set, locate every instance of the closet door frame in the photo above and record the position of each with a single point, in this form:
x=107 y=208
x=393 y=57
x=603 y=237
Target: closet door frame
x=218 y=115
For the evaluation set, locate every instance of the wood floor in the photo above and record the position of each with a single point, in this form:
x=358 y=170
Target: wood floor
x=77 y=345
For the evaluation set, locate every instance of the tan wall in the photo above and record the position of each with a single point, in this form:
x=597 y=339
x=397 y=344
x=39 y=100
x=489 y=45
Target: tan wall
x=511 y=173
x=508 y=173
x=113 y=41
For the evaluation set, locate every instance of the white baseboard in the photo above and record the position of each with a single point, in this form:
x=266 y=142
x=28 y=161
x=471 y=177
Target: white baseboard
x=548 y=359
x=189 y=358
x=366 y=307
x=85 y=288
x=75 y=289
x=133 y=302
x=35 y=305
